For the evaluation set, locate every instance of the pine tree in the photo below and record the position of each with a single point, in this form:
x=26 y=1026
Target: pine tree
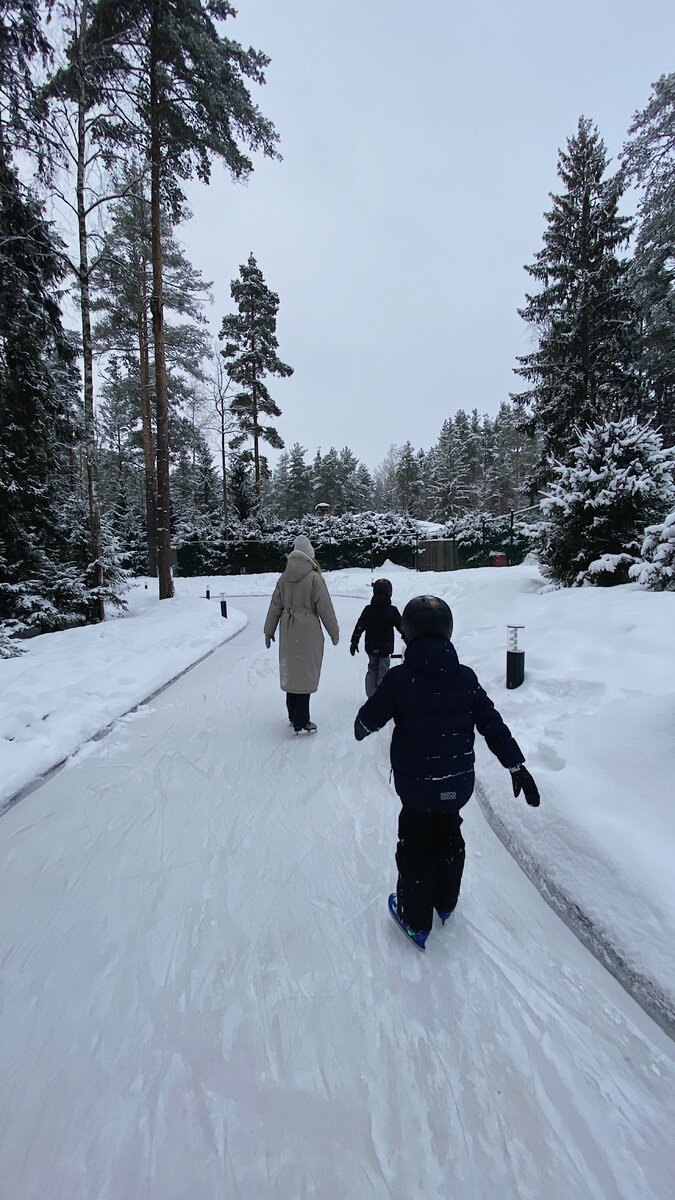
x=582 y=369
x=250 y=353
x=649 y=156
x=620 y=479
x=191 y=104
x=80 y=116
x=122 y=289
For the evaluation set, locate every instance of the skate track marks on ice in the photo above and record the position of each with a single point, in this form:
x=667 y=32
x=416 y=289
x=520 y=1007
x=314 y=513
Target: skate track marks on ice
x=202 y=994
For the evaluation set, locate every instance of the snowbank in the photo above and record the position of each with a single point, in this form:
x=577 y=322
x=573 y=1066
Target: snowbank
x=68 y=686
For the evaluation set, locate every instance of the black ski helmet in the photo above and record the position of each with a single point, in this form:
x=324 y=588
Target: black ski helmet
x=382 y=587
x=426 y=616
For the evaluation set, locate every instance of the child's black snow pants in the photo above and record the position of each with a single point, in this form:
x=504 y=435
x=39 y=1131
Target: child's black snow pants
x=430 y=861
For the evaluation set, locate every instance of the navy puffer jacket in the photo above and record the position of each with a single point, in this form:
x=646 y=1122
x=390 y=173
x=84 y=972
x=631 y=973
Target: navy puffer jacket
x=436 y=704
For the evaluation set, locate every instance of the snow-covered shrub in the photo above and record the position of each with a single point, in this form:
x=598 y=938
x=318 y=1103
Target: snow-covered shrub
x=657 y=568
x=596 y=510
x=477 y=534
x=8 y=647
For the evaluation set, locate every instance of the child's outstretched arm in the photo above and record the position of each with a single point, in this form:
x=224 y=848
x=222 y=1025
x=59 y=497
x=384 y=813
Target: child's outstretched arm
x=358 y=630
x=375 y=713
x=504 y=746
x=495 y=730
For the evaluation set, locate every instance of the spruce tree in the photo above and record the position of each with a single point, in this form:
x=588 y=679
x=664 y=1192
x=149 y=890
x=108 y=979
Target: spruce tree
x=448 y=484
x=41 y=588
x=582 y=369
x=409 y=482
x=620 y=480
x=299 y=483
x=241 y=491
x=656 y=569
x=250 y=354
x=649 y=156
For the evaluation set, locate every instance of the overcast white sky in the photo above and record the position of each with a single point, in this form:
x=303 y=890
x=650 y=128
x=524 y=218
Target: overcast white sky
x=420 y=143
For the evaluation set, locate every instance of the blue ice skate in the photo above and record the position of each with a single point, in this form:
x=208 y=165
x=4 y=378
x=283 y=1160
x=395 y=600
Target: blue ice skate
x=444 y=915
x=418 y=939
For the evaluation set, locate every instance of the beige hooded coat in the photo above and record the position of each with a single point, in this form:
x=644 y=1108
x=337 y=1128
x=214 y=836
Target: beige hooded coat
x=298 y=607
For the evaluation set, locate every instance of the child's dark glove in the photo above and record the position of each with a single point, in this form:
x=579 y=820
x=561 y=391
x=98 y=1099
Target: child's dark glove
x=354 y=649
x=360 y=731
x=523 y=781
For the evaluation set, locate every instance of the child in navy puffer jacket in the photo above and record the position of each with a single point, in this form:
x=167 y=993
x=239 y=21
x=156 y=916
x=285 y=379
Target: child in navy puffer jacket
x=436 y=704
x=378 y=621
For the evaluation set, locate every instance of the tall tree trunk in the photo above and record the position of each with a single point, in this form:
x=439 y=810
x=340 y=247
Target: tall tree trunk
x=223 y=461
x=256 y=448
x=97 y=606
x=148 y=443
x=157 y=308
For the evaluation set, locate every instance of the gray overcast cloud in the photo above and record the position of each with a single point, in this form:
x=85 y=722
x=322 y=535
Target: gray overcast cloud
x=420 y=145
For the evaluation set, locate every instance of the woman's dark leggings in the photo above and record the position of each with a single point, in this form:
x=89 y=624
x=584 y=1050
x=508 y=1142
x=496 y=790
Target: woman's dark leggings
x=297 y=704
x=430 y=861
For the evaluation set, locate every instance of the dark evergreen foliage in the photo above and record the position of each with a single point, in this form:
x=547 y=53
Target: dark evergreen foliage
x=583 y=367
x=38 y=431
x=650 y=160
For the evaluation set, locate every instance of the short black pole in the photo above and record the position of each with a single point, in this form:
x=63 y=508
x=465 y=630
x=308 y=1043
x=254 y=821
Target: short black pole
x=208 y=593
x=223 y=606
x=515 y=658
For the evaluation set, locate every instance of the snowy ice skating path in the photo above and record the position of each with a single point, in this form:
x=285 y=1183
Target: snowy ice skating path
x=202 y=995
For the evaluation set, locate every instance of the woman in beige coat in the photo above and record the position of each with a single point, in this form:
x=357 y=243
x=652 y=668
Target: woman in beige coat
x=299 y=606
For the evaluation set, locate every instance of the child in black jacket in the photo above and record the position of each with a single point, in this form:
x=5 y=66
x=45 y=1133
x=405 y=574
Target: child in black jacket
x=436 y=704
x=378 y=620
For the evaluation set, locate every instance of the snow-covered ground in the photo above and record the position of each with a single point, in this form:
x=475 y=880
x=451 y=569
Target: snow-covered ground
x=202 y=994
x=68 y=686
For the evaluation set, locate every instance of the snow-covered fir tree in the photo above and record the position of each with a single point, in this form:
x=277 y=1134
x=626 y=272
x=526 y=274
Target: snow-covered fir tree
x=40 y=587
x=656 y=570
x=583 y=366
x=448 y=474
x=250 y=354
x=620 y=480
x=299 y=492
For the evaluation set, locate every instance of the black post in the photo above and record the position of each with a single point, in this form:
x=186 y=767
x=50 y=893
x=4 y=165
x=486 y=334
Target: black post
x=515 y=658
x=223 y=607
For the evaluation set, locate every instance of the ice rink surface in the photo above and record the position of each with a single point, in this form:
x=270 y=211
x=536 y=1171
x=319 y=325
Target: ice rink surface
x=202 y=995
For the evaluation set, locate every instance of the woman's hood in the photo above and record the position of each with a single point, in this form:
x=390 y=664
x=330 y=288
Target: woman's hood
x=298 y=565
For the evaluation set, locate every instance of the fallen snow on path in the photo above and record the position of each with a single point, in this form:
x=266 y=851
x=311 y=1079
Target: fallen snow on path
x=68 y=686
x=203 y=995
